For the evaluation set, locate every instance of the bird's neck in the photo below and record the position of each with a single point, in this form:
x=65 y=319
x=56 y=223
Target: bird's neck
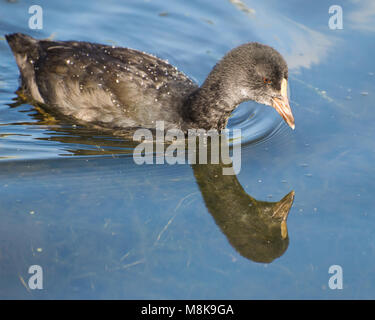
x=210 y=106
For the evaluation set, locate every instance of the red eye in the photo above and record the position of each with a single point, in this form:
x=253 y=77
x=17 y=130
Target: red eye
x=267 y=81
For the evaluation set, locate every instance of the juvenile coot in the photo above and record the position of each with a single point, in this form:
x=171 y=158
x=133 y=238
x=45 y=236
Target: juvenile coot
x=124 y=88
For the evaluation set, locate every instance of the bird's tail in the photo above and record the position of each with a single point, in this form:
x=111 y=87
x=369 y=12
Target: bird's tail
x=25 y=50
x=22 y=44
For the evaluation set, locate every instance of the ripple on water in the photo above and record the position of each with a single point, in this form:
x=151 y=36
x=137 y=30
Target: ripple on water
x=258 y=123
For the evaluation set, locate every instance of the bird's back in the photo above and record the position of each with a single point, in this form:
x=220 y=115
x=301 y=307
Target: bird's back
x=99 y=84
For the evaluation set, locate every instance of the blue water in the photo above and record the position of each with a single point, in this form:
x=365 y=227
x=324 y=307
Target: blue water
x=74 y=202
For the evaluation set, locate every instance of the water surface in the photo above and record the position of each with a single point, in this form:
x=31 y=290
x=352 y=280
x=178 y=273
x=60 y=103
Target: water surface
x=73 y=201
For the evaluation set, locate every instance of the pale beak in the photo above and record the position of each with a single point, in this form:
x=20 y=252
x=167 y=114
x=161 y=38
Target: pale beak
x=281 y=104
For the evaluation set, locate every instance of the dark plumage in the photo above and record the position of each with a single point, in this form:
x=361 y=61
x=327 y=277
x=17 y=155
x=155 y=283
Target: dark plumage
x=124 y=88
x=256 y=229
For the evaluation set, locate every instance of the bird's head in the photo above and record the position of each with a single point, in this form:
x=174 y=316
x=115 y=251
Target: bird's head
x=258 y=72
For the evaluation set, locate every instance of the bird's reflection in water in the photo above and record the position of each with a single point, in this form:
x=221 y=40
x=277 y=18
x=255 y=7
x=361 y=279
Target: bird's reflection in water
x=256 y=229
